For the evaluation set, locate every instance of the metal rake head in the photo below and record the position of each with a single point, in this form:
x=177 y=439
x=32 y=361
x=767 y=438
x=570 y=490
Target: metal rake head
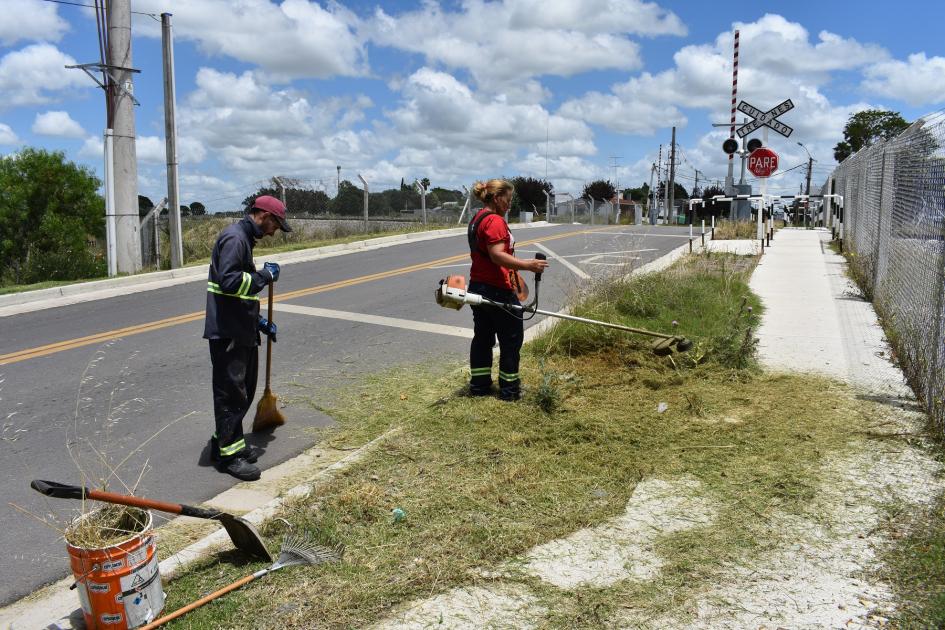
x=301 y=549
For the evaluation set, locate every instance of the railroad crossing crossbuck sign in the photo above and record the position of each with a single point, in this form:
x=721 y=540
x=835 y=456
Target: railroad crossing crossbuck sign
x=769 y=118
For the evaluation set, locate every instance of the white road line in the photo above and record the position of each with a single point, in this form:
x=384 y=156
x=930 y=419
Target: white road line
x=591 y=259
x=393 y=322
x=620 y=264
x=625 y=251
x=577 y=271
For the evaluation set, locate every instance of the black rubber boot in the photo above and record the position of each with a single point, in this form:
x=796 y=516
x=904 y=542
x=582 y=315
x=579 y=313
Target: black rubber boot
x=242 y=469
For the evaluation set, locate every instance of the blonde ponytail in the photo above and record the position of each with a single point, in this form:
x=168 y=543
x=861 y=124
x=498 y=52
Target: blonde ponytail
x=487 y=191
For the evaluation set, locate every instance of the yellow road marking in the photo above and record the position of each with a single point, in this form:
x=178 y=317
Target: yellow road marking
x=70 y=344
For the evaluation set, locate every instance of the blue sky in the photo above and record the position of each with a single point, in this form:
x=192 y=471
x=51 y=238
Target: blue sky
x=464 y=91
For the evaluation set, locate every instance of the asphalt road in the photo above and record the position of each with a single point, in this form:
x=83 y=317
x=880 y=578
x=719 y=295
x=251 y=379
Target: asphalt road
x=138 y=393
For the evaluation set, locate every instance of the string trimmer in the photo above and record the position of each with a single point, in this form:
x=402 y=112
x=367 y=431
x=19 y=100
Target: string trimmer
x=452 y=293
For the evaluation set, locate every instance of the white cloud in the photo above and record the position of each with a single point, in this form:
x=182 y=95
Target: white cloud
x=153 y=149
x=444 y=111
x=508 y=41
x=59 y=124
x=30 y=19
x=93 y=148
x=7 y=135
x=29 y=74
x=776 y=60
x=291 y=39
x=918 y=81
x=257 y=131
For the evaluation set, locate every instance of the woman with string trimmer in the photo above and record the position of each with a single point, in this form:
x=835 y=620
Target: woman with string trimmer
x=494 y=274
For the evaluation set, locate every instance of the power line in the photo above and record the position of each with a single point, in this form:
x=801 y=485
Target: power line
x=92 y=6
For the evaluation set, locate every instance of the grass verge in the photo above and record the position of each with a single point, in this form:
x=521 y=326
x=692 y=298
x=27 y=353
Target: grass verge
x=481 y=481
x=726 y=230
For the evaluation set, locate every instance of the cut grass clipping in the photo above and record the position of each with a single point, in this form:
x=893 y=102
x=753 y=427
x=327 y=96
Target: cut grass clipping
x=478 y=482
x=106 y=526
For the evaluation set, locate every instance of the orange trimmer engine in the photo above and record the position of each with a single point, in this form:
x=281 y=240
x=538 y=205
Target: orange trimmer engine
x=451 y=293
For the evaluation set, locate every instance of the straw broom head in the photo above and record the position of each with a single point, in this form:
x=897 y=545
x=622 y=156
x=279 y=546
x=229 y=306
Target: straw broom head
x=268 y=416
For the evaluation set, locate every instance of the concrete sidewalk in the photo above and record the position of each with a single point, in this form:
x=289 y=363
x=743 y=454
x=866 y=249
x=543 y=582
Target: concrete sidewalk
x=815 y=318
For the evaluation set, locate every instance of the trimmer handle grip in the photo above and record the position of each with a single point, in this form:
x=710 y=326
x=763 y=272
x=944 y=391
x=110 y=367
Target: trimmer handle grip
x=539 y=256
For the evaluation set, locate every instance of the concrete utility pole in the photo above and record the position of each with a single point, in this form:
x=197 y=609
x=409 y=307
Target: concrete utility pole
x=672 y=174
x=659 y=180
x=651 y=207
x=125 y=165
x=810 y=165
x=338 y=190
x=170 y=139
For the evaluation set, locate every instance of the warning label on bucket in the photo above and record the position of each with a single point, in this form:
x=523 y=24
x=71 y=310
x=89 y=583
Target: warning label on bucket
x=142 y=594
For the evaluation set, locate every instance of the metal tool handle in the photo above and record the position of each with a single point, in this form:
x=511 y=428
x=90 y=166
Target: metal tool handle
x=180 y=612
x=269 y=342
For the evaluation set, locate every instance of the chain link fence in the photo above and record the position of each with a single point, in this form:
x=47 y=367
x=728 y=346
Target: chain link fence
x=894 y=230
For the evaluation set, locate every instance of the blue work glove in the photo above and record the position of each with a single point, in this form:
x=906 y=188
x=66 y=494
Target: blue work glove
x=267 y=327
x=273 y=269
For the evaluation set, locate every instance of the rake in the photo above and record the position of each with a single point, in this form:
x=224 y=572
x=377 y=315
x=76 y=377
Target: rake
x=296 y=549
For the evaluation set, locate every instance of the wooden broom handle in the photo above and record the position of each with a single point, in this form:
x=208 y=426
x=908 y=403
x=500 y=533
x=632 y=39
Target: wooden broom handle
x=203 y=600
x=269 y=341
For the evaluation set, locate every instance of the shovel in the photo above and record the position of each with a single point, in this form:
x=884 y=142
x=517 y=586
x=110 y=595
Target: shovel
x=242 y=533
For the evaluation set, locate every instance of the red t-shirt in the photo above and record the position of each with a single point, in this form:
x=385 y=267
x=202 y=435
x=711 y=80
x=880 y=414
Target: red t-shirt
x=492 y=229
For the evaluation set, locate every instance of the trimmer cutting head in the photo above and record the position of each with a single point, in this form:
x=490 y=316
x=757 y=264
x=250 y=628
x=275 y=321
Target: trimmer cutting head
x=668 y=345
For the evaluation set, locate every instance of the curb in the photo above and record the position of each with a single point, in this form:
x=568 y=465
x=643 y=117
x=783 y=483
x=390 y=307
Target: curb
x=39 y=299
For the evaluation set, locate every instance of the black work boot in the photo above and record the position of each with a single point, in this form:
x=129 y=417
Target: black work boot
x=242 y=469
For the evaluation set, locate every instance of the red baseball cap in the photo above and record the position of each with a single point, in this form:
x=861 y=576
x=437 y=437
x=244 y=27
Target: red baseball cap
x=273 y=206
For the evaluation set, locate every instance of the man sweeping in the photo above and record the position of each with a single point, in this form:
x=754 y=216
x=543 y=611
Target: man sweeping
x=232 y=326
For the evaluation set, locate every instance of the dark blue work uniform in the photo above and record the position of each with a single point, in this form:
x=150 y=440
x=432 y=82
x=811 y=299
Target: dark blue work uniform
x=231 y=326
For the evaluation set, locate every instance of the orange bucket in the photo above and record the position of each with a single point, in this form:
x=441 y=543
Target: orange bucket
x=120 y=585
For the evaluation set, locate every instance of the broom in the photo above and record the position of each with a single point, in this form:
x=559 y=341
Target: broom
x=268 y=416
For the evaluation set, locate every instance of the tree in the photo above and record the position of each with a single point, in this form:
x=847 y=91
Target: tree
x=600 y=190
x=197 y=209
x=425 y=182
x=144 y=206
x=637 y=194
x=711 y=207
x=299 y=199
x=529 y=194
x=866 y=127
x=444 y=194
x=49 y=211
x=349 y=200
